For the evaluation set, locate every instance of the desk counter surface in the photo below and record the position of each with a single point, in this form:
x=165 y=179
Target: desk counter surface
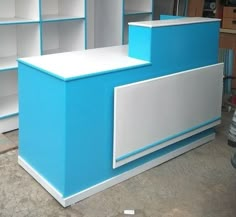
x=73 y=65
x=173 y=22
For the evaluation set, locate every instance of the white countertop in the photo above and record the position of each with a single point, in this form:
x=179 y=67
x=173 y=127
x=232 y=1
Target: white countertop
x=173 y=22
x=71 y=65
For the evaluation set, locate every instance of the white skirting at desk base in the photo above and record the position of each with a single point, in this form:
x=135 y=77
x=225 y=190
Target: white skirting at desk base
x=113 y=181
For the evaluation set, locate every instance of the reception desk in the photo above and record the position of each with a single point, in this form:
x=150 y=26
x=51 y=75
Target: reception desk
x=93 y=118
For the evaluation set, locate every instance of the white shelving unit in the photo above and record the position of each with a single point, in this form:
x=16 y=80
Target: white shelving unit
x=32 y=28
x=108 y=20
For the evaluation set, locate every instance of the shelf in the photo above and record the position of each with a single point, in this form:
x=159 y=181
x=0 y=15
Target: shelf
x=56 y=17
x=8 y=63
x=135 y=12
x=15 y=20
x=8 y=106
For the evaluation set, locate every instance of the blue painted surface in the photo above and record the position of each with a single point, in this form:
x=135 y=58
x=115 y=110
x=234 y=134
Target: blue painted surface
x=169 y=17
x=141 y=47
x=181 y=47
x=42 y=124
x=67 y=126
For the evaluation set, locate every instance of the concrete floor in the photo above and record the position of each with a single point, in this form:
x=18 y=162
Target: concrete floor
x=200 y=183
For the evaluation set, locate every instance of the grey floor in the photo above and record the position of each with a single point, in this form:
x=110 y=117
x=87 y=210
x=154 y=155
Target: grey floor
x=200 y=183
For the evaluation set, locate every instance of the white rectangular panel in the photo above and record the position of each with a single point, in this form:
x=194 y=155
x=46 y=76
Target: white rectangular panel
x=152 y=114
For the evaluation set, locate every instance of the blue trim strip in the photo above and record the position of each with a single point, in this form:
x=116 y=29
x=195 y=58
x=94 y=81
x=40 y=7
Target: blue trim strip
x=166 y=139
x=86 y=75
x=8 y=116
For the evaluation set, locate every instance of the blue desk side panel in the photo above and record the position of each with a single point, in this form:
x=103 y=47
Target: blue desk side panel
x=42 y=124
x=181 y=47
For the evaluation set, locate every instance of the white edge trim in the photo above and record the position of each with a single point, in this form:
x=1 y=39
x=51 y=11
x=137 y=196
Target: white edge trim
x=173 y=22
x=113 y=181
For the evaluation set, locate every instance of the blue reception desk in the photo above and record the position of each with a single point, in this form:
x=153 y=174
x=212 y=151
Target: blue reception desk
x=93 y=118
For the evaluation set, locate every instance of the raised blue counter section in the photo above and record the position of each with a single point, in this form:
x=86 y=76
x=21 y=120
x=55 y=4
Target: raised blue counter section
x=91 y=119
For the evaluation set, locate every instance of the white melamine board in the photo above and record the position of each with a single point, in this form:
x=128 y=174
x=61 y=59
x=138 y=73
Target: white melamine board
x=28 y=40
x=72 y=35
x=134 y=18
x=7 y=8
x=49 y=7
x=157 y=109
x=8 y=105
x=8 y=45
x=73 y=64
x=172 y=22
x=138 y=5
x=27 y=9
x=8 y=83
x=107 y=20
x=50 y=36
x=66 y=36
x=68 y=8
x=72 y=7
x=14 y=20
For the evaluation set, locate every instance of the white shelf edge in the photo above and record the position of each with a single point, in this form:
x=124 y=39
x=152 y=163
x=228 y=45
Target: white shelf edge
x=57 y=17
x=7 y=63
x=8 y=106
x=16 y=20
